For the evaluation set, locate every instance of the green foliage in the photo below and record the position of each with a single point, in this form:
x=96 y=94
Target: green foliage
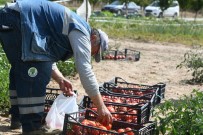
x=67 y=68
x=4 y=1
x=102 y=14
x=4 y=95
x=181 y=117
x=193 y=60
x=145 y=29
x=164 y=4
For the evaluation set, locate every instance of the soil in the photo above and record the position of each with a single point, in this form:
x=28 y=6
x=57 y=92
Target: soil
x=157 y=63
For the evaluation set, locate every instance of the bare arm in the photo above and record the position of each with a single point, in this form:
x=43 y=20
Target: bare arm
x=65 y=85
x=105 y=116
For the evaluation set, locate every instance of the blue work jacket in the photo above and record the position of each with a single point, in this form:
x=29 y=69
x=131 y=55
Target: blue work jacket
x=45 y=27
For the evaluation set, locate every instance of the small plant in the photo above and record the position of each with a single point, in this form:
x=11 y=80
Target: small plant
x=67 y=68
x=181 y=117
x=193 y=60
x=4 y=93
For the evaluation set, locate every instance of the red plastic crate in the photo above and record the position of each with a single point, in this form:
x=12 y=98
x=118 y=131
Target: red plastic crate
x=73 y=126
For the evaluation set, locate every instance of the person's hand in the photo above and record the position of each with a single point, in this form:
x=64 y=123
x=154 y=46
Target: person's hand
x=104 y=116
x=66 y=87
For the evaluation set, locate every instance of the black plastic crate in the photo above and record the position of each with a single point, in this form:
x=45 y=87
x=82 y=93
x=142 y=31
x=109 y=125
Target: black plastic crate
x=150 y=92
x=120 y=82
x=137 y=114
x=109 y=55
x=132 y=55
x=73 y=126
x=126 y=54
x=132 y=95
x=162 y=89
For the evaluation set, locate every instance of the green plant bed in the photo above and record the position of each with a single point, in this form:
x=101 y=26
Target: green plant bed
x=181 y=117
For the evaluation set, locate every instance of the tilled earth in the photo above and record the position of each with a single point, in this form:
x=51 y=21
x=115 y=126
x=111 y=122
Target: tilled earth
x=157 y=63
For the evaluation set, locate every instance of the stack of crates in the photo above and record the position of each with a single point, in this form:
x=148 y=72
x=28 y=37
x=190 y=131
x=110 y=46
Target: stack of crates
x=130 y=105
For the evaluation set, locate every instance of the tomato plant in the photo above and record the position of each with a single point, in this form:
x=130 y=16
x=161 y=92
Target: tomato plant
x=181 y=117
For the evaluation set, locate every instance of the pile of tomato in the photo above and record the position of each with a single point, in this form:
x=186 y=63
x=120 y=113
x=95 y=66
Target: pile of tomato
x=95 y=128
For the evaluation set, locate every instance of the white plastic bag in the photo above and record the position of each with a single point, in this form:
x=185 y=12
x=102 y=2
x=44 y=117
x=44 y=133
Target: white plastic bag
x=61 y=106
x=84 y=10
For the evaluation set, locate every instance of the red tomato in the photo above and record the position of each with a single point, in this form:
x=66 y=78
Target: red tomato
x=121 y=130
x=95 y=132
x=92 y=123
x=85 y=122
x=129 y=129
x=108 y=127
x=94 y=109
x=111 y=109
x=102 y=127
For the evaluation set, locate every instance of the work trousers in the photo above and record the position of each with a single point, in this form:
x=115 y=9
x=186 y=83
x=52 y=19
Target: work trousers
x=28 y=80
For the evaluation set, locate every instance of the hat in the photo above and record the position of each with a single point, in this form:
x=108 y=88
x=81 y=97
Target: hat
x=103 y=45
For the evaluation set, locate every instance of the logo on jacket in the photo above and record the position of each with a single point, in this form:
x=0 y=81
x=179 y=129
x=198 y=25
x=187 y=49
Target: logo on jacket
x=32 y=72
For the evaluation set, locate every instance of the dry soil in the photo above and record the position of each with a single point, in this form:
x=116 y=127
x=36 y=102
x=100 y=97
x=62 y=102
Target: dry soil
x=157 y=63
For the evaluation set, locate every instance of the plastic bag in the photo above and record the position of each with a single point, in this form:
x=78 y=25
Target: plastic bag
x=61 y=106
x=83 y=9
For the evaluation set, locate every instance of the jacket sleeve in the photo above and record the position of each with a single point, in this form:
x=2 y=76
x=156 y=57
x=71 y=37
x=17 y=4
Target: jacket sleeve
x=81 y=46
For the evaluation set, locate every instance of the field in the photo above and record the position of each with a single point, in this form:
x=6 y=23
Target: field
x=157 y=64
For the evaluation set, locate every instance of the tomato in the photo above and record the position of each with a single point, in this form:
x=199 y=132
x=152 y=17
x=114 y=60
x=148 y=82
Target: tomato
x=76 y=127
x=85 y=122
x=116 y=100
x=130 y=58
x=94 y=109
x=102 y=127
x=92 y=123
x=123 y=109
x=95 y=132
x=108 y=127
x=111 y=109
x=129 y=129
x=121 y=130
x=128 y=118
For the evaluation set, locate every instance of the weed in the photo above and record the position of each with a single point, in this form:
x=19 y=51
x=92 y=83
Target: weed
x=193 y=60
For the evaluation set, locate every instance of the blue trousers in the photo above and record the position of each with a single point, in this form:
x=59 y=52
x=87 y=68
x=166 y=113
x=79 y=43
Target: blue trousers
x=28 y=80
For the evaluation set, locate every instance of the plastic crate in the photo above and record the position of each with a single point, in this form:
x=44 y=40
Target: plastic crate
x=132 y=95
x=126 y=54
x=73 y=126
x=109 y=55
x=150 y=92
x=137 y=114
x=132 y=55
x=120 y=82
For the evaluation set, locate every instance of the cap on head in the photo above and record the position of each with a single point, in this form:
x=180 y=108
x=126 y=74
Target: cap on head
x=103 y=45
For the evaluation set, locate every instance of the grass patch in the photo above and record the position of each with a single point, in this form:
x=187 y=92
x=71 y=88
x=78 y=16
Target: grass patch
x=165 y=30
